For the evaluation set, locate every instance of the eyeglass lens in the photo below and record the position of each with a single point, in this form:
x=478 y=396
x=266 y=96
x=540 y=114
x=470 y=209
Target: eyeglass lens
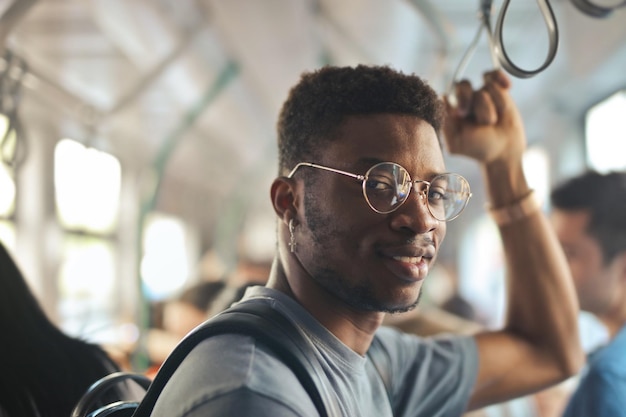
x=387 y=186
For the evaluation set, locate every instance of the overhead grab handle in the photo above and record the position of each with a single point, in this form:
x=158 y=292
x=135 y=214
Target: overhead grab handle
x=553 y=41
x=484 y=16
x=499 y=56
x=593 y=10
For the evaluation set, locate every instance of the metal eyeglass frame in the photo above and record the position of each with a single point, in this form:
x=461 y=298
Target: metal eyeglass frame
x=363 y=179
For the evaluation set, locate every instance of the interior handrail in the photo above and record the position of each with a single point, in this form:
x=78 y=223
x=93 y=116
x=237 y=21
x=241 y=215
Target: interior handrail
x=553 y=41
x=495 y=38
x=594 y=10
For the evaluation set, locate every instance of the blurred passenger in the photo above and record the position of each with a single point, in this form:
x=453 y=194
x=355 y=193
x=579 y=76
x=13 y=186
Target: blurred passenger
x=183 y=314
x=457 y=304
x=250 y=271
x=179 y=316
x=589 y=215
x=43 y=372
x=230 y=295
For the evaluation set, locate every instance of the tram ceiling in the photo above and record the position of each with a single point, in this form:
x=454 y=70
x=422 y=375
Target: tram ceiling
x=191 y=89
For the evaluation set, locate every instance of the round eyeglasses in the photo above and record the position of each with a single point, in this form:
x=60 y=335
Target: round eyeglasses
x=386 y=186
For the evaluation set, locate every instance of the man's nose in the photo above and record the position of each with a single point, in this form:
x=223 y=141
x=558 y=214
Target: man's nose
x=414 y=214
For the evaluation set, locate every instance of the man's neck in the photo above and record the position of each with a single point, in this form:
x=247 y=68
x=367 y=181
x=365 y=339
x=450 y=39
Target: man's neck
x=354 y=328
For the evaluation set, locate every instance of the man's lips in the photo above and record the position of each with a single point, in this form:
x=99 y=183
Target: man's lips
x=408 y=253
x=408 y=259
x=408 y=263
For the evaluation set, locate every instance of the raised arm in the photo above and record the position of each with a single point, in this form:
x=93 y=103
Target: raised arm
x=539 y=344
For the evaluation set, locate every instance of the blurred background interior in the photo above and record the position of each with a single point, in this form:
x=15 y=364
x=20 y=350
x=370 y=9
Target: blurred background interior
x=138 y=141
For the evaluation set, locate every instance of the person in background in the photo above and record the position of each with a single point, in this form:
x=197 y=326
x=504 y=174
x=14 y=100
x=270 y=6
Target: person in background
x=589 y=216
x=43 y=372
x=180 y=315
x=362 y=200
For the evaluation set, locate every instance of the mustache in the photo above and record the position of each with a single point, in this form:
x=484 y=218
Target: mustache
x=414 y=246
x=415 y=241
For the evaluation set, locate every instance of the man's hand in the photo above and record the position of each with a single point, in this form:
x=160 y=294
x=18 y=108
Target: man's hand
x=485 y=124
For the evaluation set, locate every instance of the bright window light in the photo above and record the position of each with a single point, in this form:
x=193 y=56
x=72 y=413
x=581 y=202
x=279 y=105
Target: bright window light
x=88 y=268
x=87 y=187
x=86 y=284
x=9 y=142
x=7 y=234
x=481 y=272
x=4 y=124
x=7 y=191
x=165 y=266
x=536 y=165
x=605 y=134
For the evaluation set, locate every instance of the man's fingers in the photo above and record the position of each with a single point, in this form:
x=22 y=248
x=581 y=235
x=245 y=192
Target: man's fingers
x=485 y=112
x=483 y=106
x=498 y=77
x=463 y=92
x=498 y=97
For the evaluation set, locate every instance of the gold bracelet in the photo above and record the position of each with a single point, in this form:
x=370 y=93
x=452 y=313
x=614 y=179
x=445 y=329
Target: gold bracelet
x=521 y=209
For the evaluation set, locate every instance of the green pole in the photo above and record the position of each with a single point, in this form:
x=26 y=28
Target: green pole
x=148 y=204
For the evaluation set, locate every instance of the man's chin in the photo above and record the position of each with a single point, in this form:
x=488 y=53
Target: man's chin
x=400 y=309
x=389 y=307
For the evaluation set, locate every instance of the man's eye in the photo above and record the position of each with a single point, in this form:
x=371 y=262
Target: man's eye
x=379 y=184
x=436 y=195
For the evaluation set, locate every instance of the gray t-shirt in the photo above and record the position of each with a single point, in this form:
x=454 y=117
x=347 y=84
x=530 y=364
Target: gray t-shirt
x=232 y=375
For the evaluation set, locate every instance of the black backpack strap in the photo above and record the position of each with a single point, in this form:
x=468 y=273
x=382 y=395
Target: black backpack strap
x=270 y=328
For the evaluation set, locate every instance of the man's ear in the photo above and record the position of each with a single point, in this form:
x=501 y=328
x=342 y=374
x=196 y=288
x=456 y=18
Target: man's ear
x=284 y=198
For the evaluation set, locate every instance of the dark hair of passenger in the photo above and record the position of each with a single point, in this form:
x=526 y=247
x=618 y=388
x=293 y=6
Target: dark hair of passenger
x=321 y=101
x=43 y=372
x=201 y=295
x=604 y=197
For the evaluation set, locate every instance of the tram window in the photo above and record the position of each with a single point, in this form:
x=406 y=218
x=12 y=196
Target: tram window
x=7 y=207
x=87 y=187
x=537 y=170
x=481 y=273
x=87 y=192
x=8 y=142
x=605 y=133
x=87 y=286
x=7 y=234
x=165 y=263
x=7 y=192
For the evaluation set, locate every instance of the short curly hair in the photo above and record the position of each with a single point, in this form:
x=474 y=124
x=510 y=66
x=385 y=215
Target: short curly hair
x=320 y=102
x=604 y=196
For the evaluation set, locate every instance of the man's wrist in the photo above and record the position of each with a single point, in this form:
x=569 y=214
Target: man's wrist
x=516 y=211
x=505 y=182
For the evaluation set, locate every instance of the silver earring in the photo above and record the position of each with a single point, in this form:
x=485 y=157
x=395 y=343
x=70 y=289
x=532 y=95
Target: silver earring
x=292 y=237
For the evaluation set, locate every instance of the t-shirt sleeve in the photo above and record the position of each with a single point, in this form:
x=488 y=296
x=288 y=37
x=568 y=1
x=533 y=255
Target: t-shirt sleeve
x=231 y=375
x=242 y=402
x=431 y=377
x=600 y=394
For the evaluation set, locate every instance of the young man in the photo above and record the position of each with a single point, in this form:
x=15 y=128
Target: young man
x=362 y=201
x=589 y=216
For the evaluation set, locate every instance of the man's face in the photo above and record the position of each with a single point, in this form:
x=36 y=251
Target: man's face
x=596 y=283
x=371 y=261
